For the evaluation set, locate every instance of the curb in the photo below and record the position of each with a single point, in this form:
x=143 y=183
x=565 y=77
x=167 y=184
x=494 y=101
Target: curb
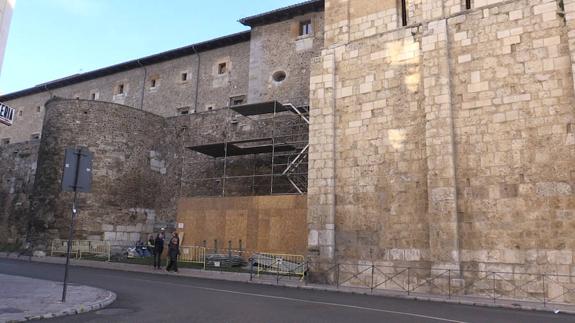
x=78 y=309
x=237 y=277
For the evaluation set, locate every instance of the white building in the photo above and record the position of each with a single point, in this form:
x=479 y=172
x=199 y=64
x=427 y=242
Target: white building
x=6 y=8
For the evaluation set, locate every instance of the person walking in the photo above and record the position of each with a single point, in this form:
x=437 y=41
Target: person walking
x=173 y=252
x=158 y=249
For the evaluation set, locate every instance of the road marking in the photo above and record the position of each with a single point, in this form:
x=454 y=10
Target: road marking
x=294 y=299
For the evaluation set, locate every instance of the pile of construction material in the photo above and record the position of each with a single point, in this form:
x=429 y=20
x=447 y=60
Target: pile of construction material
x=224 y=260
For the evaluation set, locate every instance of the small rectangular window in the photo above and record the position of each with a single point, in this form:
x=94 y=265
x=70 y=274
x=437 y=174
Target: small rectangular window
x=121 y=89
x=467 y=4
x=153 y=83
x=305 y=28
x=184 y=110
x=20 y=113
x=403 y=13
x=35 y=136
x=184 y=76
x=93 y=96
x=210 y=108
x=38 y=109
x=6 y=141
x=222 y=68
x=237 y=100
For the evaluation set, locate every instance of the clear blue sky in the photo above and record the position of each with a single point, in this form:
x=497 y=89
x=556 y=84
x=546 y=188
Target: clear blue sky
x=50 y=39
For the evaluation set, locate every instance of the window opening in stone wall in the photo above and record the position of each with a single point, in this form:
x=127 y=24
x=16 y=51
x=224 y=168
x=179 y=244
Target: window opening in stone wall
x=184 y=111
x=467 y=4
x=279 y=76
x=35 y=136
x=403 y=13
x=38 y=109
x=120 y=89
x=237 y=100
x=20 y=113
x=152 y=83
x=305 y=28
x=6 y=141
x=222 y=68
x=184 y=76
x=210 y=108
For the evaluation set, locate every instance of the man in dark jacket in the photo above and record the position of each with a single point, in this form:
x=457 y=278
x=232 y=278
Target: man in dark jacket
x=158 y=249
x=173 y=252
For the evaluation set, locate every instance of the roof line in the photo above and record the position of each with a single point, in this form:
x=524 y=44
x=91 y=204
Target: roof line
x=132 y=64
x=283 y=13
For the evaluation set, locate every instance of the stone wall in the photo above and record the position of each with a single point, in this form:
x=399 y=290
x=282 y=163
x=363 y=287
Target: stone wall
x=278 y=47
x=128 y=168
x=16 y=182
x=447 y=143
x=203 y=175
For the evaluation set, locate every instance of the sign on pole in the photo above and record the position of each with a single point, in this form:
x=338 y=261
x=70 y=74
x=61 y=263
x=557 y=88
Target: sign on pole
x=77 y=177
x=6 y=114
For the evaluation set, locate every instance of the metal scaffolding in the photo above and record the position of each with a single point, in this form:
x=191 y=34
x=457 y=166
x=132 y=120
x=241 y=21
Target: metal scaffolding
x=270 y=158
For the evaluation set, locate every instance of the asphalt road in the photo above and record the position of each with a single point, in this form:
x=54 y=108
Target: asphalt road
x=159 y=298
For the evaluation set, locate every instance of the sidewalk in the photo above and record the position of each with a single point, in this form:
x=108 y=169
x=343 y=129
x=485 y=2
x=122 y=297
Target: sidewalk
x=24 y=299
x=296 y=283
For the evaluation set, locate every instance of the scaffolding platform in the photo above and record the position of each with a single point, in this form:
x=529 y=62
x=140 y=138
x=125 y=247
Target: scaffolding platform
x=277 y=161
x=252 y=109
x=242 y=147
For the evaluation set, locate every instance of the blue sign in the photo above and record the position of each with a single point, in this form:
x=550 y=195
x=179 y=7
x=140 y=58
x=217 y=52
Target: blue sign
x=6 y=114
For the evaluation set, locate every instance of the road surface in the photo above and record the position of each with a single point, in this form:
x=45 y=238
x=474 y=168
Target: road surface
x=159 y=298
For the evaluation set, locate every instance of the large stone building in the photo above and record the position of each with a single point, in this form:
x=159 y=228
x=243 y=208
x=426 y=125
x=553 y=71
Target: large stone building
x=141 y=116
x=441 y=132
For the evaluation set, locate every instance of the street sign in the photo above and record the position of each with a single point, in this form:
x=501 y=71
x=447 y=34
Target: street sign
x=77 y=175
x=6 y=114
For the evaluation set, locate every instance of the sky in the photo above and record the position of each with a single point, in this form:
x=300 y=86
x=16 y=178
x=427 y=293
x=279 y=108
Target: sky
x=51 y=39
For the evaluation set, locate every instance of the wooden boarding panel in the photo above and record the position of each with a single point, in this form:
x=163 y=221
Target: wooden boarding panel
x=274 y=224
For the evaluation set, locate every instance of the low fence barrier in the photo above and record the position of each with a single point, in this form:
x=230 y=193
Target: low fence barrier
x=543 y=288
x=280 y=264
x=193 y=254
x=451 y=283
x=80 y=248
x=245 y=260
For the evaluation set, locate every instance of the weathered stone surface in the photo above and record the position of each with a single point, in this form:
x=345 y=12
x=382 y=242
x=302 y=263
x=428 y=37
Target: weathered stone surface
x=452 y=139
x=18 y=166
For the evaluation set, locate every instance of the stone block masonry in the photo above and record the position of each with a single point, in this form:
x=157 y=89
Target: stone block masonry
x=18 y=163
x=450 y=139
x=126 y=180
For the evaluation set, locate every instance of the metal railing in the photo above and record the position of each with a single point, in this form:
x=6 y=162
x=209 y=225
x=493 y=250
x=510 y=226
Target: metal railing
x=193 y=254
x=543 y=288
x=81 y=247
x=280 y=264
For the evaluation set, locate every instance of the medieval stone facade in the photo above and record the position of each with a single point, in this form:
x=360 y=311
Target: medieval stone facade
x=441 y=136
x=140 y=118
x=446 y=140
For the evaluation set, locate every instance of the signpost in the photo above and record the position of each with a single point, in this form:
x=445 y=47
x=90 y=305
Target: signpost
x=77 y=177
x=6 y=114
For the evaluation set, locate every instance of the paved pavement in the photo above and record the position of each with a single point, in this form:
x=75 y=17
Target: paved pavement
x=144 y=297
x=24 y=298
